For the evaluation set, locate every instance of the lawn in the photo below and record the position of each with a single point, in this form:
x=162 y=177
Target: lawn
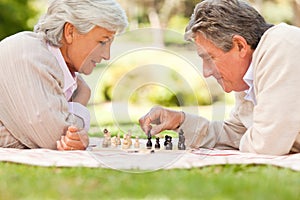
x=216 y=182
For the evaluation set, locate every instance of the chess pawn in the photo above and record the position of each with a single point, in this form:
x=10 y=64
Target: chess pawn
x=128 y=138
x=149 y=143
x=137 y=143
x=168 y=143
x=107 y=138
x=118 y=139
x=181 y=140
x=166 y=140
x=105 y=142
x=125 y=144
x=106 y=133
x=157 y=145
x=114 y=141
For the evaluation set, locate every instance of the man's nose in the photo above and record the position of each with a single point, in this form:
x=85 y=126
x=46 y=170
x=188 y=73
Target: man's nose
x=207 y=70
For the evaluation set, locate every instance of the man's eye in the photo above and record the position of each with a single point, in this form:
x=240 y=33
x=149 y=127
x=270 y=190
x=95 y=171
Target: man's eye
x=207 y=58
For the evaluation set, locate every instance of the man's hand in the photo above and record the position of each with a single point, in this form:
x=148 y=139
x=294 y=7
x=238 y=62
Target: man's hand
x=73 y=140
x=164 y=119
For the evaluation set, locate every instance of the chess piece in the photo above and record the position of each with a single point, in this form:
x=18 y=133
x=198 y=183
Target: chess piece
x=168 y=142
x=149 y=143
x=106 y=133
x=181 y=140
x=137 y=143
x=157 y=145
x=125 y=144
x=107 y=138
x=118 y=139
x=166 y=139
x=128 y=138
x=114 y=141
x=105 y=143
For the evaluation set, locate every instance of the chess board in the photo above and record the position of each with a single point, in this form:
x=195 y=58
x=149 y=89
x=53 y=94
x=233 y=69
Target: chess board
x=139 y=159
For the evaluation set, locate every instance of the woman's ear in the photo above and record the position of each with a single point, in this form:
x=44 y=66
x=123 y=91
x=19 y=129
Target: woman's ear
x=68 y=34
x=241 y=45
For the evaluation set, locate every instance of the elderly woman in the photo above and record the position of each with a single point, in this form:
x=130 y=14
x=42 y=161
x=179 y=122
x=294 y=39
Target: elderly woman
x=43 y=101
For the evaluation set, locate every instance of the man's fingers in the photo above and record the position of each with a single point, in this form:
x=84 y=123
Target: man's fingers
x=152 y=117
x=157 y=129
x=145 y=123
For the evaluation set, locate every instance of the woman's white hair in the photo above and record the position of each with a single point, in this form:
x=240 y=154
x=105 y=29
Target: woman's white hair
x=83 y=14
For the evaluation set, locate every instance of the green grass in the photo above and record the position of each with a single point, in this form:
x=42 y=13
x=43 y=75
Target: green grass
x=216 y=182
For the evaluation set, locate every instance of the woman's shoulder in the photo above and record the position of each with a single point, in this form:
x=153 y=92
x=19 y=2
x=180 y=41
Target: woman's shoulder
x=26 y=42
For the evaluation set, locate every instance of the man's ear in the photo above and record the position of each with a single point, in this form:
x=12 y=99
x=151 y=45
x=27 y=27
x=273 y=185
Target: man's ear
x=241 y=45
x=68 y=34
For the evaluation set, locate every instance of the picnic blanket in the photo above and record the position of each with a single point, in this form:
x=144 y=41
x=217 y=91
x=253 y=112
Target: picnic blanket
x=142 y=160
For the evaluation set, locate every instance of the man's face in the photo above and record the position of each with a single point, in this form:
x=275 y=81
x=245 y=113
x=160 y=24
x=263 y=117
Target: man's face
x=228 y=68
x=86 y=50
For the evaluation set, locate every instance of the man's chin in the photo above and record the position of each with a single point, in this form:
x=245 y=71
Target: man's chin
x=225 y=89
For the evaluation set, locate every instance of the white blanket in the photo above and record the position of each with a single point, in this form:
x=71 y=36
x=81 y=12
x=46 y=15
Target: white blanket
x=142 y=159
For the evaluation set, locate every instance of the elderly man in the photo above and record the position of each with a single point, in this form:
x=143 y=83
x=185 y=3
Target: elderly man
x=257 y=60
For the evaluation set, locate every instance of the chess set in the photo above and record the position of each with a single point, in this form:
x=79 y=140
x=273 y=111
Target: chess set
x=130 y=144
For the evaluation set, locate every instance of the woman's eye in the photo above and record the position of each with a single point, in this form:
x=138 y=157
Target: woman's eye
x=102 y=43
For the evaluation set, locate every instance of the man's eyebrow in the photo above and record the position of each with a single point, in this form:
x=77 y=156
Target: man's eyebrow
x=203 y=55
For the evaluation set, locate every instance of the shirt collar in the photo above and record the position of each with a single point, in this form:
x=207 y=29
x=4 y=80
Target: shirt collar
x=69 y=80
x=248 y=78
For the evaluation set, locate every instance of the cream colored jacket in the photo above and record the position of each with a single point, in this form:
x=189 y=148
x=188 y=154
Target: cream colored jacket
x=33 y=108
x=273 y=125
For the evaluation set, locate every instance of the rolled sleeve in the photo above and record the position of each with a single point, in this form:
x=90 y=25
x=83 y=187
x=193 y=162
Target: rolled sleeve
x=81 y=113
x=195 y=130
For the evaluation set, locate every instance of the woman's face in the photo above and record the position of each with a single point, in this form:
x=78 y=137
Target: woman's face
x=83 y=51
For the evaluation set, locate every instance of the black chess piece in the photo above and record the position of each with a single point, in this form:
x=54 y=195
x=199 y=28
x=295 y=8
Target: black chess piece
x=181 y=140
x=149 y=143
x=157 y=145
x=168 y=142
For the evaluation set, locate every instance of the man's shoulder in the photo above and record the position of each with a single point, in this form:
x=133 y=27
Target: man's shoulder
x=282 y=31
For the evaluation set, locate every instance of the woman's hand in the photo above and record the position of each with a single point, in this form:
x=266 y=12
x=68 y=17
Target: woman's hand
x=73 y=140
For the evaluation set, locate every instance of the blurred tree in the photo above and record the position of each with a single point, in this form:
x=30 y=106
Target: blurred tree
x=157 y=13
x=15 y=15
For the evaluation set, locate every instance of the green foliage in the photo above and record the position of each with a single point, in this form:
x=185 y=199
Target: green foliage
x=278 y=12
x=14 y=16
x=178 y=23
x=137 y=78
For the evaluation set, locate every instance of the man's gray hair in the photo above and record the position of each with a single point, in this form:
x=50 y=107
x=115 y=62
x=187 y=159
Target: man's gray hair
x=220 y=20
x=83 y=14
